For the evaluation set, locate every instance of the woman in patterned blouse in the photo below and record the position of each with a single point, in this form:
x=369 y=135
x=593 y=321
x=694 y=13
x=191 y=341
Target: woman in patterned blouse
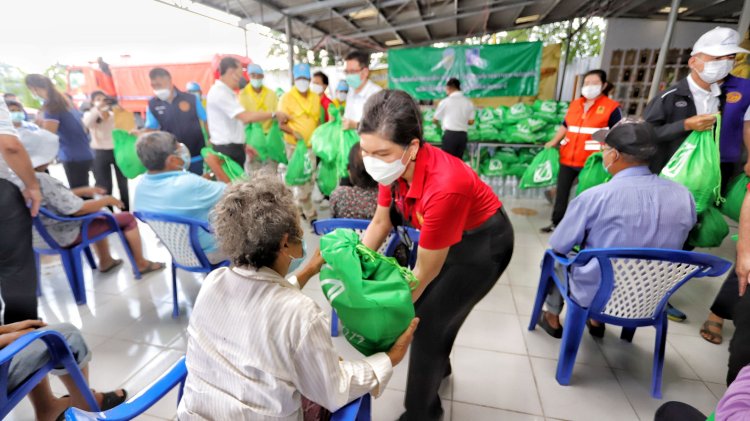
x=360 y=199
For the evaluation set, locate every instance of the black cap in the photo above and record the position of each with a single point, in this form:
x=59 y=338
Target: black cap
x=630 y=136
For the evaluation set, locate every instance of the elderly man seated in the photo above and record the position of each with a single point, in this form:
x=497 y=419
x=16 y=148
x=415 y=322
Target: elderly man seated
x=170 y=189
x=634 y=209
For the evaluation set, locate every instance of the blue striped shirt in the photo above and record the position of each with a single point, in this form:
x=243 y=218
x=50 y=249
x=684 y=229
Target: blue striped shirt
x=634 y=209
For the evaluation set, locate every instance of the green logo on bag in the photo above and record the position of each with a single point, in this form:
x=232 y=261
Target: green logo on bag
x=679 y=159
x=543 y=173
x=496 y=165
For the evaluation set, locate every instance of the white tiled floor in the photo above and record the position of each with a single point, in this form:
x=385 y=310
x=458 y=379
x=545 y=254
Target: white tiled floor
x=500 y=369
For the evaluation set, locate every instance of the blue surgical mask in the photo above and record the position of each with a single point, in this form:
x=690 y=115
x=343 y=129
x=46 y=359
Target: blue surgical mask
x=184 y=155
x=297 y=261
x=353 y=80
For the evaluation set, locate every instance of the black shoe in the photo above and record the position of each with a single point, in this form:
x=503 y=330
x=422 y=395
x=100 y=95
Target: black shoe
x=548 y=229
x=595 y=331
x=544 y=324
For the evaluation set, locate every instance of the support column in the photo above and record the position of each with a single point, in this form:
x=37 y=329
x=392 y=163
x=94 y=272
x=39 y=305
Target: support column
x=290 y=47
x=744 y=19
x=664 y=49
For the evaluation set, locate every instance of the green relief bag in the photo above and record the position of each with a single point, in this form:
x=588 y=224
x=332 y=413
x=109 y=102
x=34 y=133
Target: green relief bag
x=327 y=179
x=300 y=167
x=275 y=148
x=325 y=141
x=232 y=169
x=735 y=196
x=696 y=166
x=255 y=137
x=710 y=229
x=347 y=139
x=592 y=174
x=493 y=167
x=126 y=157
x=370 y=292
x=542 y=172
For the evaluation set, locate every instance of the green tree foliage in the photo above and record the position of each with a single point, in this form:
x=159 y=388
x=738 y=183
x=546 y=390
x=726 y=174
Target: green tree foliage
x=12 y=81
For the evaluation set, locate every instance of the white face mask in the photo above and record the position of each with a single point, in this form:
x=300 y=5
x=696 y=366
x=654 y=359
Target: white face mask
x=383 y=172
x=162 y=94
x=302 y=85
x=606 y=167
x=714 y=71
x=318 y=89
x=341 y=96
x=591 y=91
x=256 y=83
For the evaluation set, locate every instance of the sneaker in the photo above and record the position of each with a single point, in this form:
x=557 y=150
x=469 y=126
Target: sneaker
x=548 y=229
x=549 y=196
x=674 y=314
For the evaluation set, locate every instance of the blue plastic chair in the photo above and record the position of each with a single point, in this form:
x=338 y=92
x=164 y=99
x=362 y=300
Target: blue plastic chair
x=71 y=256
x=635 y=287
x=60 y=356
x=324 y=226
x=357 y=410
x=180 y=236
x=139 y=403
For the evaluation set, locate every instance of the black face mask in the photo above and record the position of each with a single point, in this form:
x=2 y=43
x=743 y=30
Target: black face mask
x=243 y=82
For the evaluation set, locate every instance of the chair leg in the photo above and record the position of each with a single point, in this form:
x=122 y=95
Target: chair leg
x=541 y=292
x=334 y=323
x=90 y=257
x=74 y=271
x=627 y=334
x=175 y=305
x=38 y=264
x=659 y=351
x=136 y=271
x=575 y=324
x=365 y=411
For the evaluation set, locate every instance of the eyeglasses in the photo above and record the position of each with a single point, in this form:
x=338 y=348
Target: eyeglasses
x=352 y=72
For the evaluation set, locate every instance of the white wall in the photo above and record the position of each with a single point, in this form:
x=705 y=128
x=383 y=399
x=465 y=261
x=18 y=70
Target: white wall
x=579 y=66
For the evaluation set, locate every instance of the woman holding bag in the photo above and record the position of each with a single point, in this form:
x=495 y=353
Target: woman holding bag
x=466 y=239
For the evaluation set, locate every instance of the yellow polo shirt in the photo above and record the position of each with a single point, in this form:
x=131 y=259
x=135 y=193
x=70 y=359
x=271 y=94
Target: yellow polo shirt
x=304 y=114
x=265 y=100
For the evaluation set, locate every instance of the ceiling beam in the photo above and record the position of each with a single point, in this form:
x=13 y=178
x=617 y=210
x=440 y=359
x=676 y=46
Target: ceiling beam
x=317 y=5
x=691 y=12
x=438 y=19
x=625 y=9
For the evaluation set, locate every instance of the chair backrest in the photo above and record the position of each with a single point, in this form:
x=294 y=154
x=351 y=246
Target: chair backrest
x=180 y=236
x=324 y=226
x=41 y=238
x=636 y=283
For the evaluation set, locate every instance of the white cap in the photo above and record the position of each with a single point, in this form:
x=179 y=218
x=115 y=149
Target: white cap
x=41 y=145
x=719 y=42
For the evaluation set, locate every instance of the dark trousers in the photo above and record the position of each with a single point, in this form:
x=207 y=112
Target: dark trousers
x=739 y=347
x=104 y=160
x=18 y=277
x=471 y=269
x=77 y=172
x=455 y=143
x=678 y=411
x=565 y=179
x=236 y=151
x=728 y=171
x=727 y=297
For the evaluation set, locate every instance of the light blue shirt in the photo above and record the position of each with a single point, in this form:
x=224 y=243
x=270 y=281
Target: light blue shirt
x=153 y=124
x=180 y=193
x=635 y=209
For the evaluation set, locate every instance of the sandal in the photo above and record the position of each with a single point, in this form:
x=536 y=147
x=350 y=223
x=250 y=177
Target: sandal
x=551 y=331
x=595 y=331
x=112 y=399
x=115 y=263
x=709 y=335
x=153 y=267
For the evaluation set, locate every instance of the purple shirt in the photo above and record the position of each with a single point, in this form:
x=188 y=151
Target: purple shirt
x=635 y=209
x=735 y=404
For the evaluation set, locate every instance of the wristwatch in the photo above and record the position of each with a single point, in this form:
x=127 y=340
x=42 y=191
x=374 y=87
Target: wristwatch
x=273 y=115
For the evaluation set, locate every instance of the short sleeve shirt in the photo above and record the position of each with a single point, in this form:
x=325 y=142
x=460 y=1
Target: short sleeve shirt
x=222 y=108
x=446 y=198
x=6 y=128
x=304 y=114
x=62 y=201
x=355 y=102
x=265 y=100
x=74 y=142
x=455 y=112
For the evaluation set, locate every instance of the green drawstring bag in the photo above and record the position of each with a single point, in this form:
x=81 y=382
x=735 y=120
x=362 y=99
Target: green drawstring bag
x=255 y=137
x=300 y=167
x=347 y=139
x=542 y=172
x=232 y=169
x=275 y=149
x=325 y=141
x=710 y=229
x=592 y=174
x=696 y=165
x=492 y=167
x=126 y=157
x=327 y=179
x=735 y=196
x=370 y=292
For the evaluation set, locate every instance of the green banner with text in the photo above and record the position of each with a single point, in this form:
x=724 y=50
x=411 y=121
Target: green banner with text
x=483 y=70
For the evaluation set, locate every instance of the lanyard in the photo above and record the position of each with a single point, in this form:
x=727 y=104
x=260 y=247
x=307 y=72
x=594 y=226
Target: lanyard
x=260 y=99
x=302 y=102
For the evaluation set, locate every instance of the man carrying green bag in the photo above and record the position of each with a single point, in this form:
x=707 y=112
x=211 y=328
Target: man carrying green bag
x=592 y=174
x=371 y=293
x=542 y=172
x=126 y=157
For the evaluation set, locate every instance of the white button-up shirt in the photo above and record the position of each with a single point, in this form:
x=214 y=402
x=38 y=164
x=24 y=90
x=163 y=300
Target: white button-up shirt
x=222 y=106
x=706 y=102
x=355 y=102
x=6 y=128
x=256 y=343
x=455 y=112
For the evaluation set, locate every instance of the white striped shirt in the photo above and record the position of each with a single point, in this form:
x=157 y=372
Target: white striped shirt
x=256 y=343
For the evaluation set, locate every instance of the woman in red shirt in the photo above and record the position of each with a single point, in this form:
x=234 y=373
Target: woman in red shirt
x=466 y=239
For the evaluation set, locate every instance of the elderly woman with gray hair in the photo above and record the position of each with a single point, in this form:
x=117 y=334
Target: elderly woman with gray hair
x=258 y=348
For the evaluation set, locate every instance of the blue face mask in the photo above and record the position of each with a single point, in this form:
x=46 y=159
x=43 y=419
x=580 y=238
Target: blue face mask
x=353 y=80
x=297 y=261
x=17 y=116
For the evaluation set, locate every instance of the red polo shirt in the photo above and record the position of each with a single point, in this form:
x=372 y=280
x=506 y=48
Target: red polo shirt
x=325 y=102
x=445 y=198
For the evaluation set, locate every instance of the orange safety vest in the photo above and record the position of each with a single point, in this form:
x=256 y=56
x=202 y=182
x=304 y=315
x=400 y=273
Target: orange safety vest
x=578 y=144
